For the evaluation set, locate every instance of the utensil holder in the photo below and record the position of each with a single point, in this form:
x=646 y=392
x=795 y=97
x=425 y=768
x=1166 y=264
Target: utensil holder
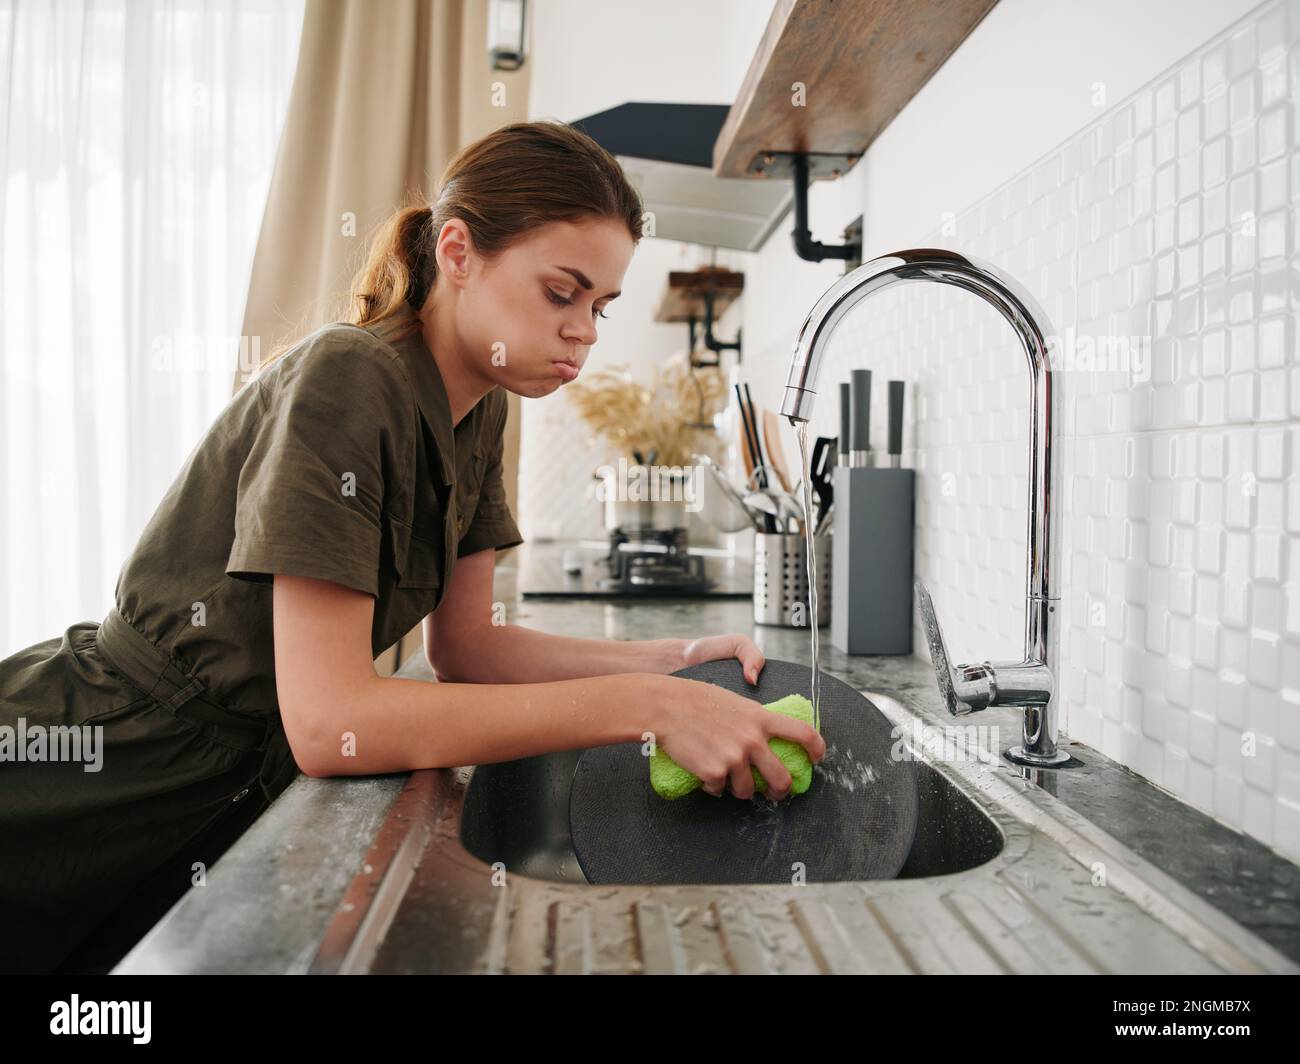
x=781 y=578
x=873 y=528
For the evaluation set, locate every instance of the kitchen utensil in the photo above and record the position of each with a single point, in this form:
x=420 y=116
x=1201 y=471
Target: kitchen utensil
x=790 y=512
x=746 y=454
x=821 y=466
x=775 y=455
x=856 y=821
x=760 y=456
x=860 y=447
x=720 y=506
x=724 y=485
x=824 y=520
x=763 y=502
x=782 y=505
x=896 y=424
x=746 y=462
x=846 y=421
x=750 y=444
x=759 y=470
x=755 y=478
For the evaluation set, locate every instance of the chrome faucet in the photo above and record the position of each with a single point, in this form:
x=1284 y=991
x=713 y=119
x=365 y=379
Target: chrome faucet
x=1030 y=683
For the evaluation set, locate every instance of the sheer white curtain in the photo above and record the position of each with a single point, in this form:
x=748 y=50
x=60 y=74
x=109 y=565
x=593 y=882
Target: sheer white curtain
x=137 y=140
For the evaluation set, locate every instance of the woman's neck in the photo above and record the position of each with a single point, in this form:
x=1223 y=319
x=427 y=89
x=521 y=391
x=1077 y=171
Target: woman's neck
x=464 y=388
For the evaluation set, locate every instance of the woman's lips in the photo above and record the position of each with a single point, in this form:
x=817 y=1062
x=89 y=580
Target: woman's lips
x=565 y=370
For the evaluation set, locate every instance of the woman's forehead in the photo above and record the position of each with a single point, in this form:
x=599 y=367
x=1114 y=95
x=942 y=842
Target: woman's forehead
x=598 y=250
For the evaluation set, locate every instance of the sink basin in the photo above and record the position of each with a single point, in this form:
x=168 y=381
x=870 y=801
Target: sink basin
x=518 y=812
x=471 y=870
x=1001 y=877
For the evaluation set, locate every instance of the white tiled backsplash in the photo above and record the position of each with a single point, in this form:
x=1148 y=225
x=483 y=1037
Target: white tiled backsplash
x=1172 y=220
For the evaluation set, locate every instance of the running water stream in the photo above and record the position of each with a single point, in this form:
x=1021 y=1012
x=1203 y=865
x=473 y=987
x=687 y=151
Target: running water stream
x=810 y=554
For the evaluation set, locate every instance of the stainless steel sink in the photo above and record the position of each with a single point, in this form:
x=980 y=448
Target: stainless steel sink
x=470 y=870
x=517 y=812
x=473 y=871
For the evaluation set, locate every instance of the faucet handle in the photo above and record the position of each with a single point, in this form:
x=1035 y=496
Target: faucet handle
x=964 y=689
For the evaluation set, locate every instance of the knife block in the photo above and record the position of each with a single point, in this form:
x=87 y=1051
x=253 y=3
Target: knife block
x=872 y=535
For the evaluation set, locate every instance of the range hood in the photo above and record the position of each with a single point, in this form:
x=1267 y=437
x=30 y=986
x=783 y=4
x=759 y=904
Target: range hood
x=666 y=150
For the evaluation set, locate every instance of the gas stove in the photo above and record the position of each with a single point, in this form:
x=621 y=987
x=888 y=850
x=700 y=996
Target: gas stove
x=652 y=560
x=637 y=565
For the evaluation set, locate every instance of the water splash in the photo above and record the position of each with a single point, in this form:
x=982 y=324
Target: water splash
x=841 y=769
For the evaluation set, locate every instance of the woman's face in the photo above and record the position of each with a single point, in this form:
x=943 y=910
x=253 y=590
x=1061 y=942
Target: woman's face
x=526 y=319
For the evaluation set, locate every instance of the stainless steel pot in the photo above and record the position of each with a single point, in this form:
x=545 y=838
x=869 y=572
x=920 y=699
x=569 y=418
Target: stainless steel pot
x=645 y=498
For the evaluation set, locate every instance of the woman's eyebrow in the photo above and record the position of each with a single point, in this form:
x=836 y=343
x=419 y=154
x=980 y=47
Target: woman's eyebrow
x=583 y=280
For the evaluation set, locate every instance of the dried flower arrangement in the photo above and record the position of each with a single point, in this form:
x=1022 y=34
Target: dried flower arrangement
x=666 y=422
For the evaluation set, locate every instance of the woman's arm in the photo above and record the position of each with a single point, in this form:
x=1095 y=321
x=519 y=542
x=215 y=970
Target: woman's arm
x=464 y=645
x=513 y=654
x=341 y=718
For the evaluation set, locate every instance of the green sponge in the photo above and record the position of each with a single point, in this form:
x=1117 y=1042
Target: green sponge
x=670 y=780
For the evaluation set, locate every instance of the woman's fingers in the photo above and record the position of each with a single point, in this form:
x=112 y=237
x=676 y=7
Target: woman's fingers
x=798 y=731
x=742 y=781
x=777 y=777
x=751 y=658
x=714 y=787
x=716 y=647
x=774 y=773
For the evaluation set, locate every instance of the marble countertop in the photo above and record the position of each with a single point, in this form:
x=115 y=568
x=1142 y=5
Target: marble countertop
x=271 y=898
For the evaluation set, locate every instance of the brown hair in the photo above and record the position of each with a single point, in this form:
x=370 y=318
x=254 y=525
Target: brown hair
x=516 y=179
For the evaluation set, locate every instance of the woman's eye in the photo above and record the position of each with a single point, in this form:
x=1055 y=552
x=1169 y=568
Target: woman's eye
x=559 y=300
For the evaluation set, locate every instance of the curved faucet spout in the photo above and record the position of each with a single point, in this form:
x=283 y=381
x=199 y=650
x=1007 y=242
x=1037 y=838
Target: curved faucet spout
x=1030 y=324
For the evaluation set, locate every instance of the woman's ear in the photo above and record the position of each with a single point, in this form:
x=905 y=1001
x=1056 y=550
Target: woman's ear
x=454 y=250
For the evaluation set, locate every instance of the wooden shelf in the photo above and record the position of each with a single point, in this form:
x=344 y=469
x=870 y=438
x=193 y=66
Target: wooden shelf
x=684 y=296
x=861 y=62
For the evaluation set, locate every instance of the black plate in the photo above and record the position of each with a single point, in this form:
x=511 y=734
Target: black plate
x=857 y=820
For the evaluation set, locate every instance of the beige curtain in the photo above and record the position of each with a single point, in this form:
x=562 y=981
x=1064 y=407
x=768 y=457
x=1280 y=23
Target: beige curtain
x=384 y=94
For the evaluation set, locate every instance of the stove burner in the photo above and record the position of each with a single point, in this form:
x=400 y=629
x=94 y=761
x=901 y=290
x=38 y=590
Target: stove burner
x=652 y=560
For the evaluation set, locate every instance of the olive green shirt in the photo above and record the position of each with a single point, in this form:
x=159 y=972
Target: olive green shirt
x=338 y=461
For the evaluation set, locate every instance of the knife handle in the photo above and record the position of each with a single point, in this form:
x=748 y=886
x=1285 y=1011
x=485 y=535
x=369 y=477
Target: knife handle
x=846 y=421
x=896 y=419
x=861 y=425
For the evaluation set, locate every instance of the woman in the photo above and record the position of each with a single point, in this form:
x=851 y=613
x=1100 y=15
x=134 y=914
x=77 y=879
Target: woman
x=351 y=489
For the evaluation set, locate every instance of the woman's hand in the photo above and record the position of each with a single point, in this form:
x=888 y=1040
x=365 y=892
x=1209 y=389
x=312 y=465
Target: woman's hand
x=714 y=647
x=720 y=736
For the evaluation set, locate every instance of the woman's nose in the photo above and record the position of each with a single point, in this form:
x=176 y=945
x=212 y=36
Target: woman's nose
x=581 y=331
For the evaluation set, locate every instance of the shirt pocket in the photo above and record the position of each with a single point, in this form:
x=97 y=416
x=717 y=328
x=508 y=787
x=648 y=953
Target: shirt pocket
x=418 y=558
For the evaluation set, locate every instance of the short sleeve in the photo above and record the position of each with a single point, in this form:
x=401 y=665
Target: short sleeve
x=312 y=488
x=493 y=524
